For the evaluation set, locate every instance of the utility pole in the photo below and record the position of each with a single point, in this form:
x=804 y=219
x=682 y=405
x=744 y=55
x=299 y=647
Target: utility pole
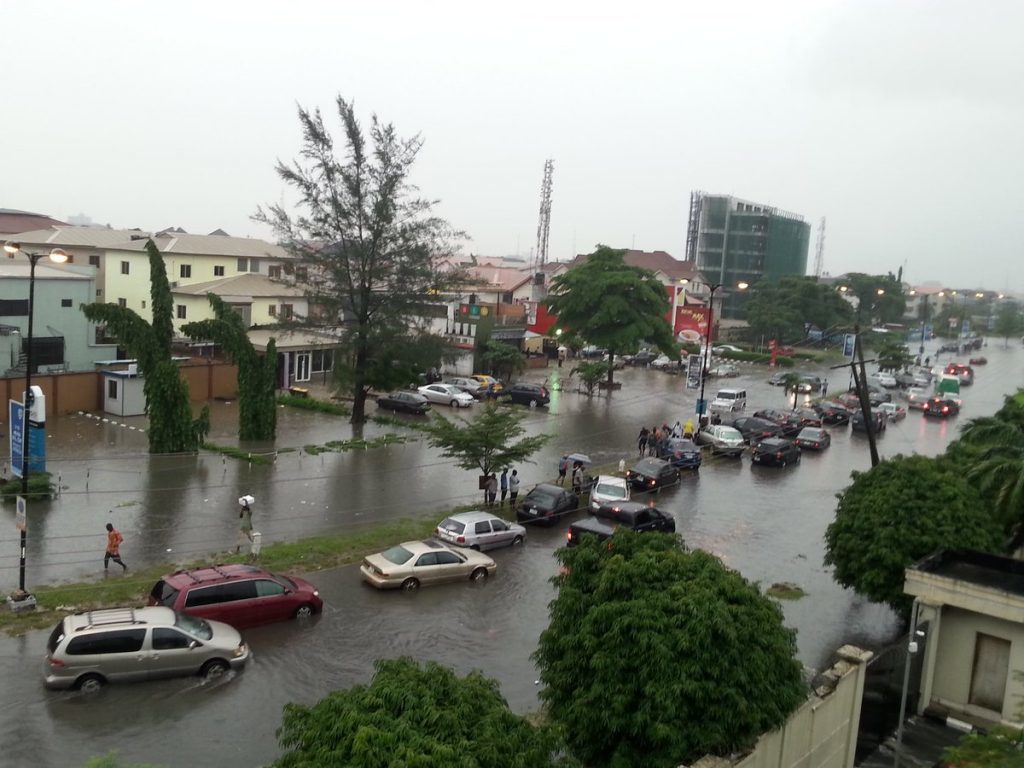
x=860 y=384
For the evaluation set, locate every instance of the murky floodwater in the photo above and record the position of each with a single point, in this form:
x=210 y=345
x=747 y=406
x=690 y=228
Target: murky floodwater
x=767 y=523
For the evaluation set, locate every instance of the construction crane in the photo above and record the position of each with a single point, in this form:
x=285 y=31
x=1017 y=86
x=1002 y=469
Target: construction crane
x=540 y=255
x=819 y=251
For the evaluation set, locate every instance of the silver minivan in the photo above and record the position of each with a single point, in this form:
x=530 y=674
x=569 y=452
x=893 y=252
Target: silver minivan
x=88 y=650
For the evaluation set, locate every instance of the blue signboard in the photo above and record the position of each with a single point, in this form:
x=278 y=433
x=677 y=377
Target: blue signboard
x=17 y=422
x=849 y=340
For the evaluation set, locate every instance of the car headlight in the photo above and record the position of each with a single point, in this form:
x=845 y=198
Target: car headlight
x=240 y=650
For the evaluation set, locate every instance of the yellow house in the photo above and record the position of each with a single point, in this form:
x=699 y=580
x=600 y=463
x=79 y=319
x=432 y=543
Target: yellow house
x=258 y=299
x=189 y=260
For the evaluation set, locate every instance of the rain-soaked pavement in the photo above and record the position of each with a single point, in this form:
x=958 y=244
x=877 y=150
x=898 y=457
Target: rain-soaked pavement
x=766 y=523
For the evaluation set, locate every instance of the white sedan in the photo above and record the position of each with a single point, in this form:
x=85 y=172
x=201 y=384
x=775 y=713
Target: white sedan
x=447 y=395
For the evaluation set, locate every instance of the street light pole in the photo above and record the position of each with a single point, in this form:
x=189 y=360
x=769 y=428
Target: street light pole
x=701 y=404
x=59 y=256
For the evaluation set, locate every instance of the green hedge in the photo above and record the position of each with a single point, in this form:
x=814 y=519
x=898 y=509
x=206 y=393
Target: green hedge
x=312 y=404
x=757 y=357
x=39 y=487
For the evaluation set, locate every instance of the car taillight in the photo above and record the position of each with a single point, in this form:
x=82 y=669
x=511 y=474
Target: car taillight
x=543 y=392
x=461 y=539
x=778 y=455
x=650 y=482
x=55 y=663
x=568 y=536
x=816 y=445
x=945 y=409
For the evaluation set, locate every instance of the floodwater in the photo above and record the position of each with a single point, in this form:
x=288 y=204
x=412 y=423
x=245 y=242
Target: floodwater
x=766 y=523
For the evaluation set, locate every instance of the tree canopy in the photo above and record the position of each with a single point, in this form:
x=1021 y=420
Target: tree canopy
x=783 y=310
x=655 y=656
x=1008 y=321
x=892 y=354
x=257 y=405
x=896 y=513
x=503 y=359
x=872 y=306
x=612 y=304
x=171 y=427
x=414 y=716
x=487 y=442
x=374 y=249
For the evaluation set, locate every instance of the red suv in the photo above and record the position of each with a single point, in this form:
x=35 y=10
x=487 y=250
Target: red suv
x=239 y=595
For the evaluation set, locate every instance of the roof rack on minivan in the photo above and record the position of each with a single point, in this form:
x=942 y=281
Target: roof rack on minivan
x=110 y=616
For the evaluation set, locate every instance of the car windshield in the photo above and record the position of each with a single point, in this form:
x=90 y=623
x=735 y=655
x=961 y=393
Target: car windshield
x=452 y=526
x=193 y=625
x=397 y=555
x=610 y=490
x=728 y=433
x=810 y=433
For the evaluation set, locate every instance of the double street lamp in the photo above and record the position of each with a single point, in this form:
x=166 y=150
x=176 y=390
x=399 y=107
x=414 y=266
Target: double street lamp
x=59 y=256
x=701 y=403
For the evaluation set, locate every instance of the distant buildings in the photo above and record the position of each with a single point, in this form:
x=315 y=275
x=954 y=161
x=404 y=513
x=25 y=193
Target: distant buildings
x=732 y=240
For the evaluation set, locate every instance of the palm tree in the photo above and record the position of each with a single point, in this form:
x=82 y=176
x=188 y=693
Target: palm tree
x=999 y=471
x=791 y=382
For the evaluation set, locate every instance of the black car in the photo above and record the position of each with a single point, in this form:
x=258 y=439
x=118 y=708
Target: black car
x=778 y=379
x=786 y=421
x=754 y=430
x=526 y=394
x=680 y=452
x=636 y=516
x=775 y=452
x=409 y=402
x=591 y=526
x=644 y=357
x=832 y=413
x=546 y=503
x=808 y=384
x=651 y=474
x=940 y=408
x=808 y=417
x=878 y=419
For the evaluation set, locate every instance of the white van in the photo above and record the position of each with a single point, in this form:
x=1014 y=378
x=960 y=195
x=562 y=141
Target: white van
x=730 y=400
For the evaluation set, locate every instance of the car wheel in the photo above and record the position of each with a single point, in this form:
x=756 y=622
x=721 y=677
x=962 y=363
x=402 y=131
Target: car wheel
x=90 y=683
x=475 y=547
x=479 y=574
x=454 y=403
x=517 y=541
x=304 y=611
x=214 y=669
x=411 y=585
x=533 y=402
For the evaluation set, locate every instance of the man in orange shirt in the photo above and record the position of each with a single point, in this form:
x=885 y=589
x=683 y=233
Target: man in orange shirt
x=114 y=539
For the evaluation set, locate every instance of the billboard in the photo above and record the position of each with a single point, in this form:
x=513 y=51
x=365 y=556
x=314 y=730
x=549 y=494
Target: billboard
x=694 y=369
x=691 y=321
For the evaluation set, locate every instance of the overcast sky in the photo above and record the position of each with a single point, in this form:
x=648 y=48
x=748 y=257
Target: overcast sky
x=901 y=122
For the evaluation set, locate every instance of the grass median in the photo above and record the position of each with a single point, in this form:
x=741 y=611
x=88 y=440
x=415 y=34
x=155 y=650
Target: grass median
x=314 y=553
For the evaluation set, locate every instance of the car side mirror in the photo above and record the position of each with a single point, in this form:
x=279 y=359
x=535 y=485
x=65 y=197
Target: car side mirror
x=194 y=644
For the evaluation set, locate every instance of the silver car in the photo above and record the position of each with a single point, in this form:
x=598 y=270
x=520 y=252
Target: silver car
x=412 y=563
x=446 y=394
x=608 y=488
x=480 y=531
x=88 y=650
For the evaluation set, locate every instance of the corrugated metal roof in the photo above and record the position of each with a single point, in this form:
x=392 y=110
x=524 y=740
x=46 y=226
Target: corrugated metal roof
x=93 y=237
x=289 y=340
x=19 y=268
x=240 y=285
x=208 y=245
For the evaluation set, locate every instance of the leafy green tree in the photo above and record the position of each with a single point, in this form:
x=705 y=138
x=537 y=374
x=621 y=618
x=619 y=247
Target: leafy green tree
x=1008 y=321
x=491 y=441
x=655 y=656
x=504 y=359
x=372 y=246
x=892 y=354
x=590 y=373
x=612 y=304
x=897 y=513
x=880 y=298
x=171 y=427
x=414 y=716
x=769 y=314
x=257 y=406
x=790 y=382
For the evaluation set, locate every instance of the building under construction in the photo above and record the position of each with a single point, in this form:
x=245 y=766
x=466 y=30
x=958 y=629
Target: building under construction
x=733 y=240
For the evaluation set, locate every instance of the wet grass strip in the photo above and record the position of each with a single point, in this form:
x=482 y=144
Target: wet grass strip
x=236 y=453
x=305 y=555
x=312 y=404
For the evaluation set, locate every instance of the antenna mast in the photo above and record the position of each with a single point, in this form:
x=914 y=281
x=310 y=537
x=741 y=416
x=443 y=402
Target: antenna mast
x=819 y=251
x=540 y=257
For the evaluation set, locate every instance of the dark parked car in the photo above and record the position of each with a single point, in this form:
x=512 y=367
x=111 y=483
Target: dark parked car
x=940 y=408
x=408 y=402
x=527 y=394
x=832 y=413
x=546 y=503
x=652 y=474
x=680 y=452
x=591 y=526
x=636 y=516
x=786 y=421
x=879 y=420
x=775 y=452
x=644 y=357
x=778 y=379
x=808 y=384
x=814 y=438
x=754 y=430
x=808 y=417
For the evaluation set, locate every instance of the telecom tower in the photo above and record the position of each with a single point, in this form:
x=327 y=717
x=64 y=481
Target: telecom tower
x=819 y=250
x=540 y=255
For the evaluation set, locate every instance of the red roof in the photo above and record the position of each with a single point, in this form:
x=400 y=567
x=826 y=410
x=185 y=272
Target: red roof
x=13 y=222
x=656 y=261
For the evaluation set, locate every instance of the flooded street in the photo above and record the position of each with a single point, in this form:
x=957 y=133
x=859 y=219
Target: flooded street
x=766 y=523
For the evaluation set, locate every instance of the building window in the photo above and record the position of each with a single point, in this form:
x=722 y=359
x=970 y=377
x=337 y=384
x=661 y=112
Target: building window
x=125 y=267
x=273 y=310
x=99 y=292
x=143 y=303
x=218 y=271
x=65 y=302
x=94 y=260
x=185 y=270
x=274 y=272
x=181 y=311
x=13 y=307
x=254 y=265
x=286 y=311
x=122 y=302
x=112 y=389
x=323 y=360
x=243 y=265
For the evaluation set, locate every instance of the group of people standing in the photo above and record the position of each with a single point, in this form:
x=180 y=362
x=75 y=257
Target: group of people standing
x=577 y=473
x=648 y=440
x=509 y=484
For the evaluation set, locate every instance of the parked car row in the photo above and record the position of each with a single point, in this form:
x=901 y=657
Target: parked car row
x=462 y=392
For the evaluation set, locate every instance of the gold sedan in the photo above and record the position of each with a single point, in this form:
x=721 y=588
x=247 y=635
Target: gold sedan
x=414 y=563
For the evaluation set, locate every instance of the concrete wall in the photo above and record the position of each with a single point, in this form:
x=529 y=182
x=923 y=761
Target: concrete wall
x=822 y=732
x=951 y=676
x=70 y=392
